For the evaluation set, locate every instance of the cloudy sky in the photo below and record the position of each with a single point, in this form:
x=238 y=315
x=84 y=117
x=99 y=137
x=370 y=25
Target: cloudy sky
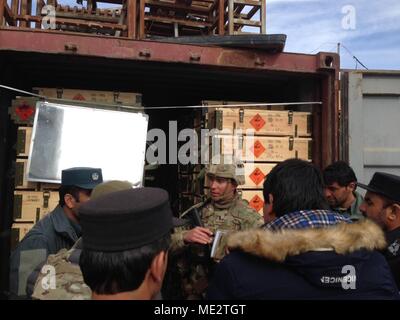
x=370 y=30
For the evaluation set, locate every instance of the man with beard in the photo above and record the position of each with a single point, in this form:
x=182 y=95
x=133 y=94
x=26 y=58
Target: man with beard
x=340 y=190
x=382 y=205
x=59 y=229
x=224 y=210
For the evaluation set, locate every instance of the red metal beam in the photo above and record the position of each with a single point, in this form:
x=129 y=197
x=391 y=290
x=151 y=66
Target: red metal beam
x=330 y=114
x=131 y=20
x=142 y=31
x=221 y=17
x=52 y=42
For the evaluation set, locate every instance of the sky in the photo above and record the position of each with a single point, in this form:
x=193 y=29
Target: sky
x=369 y=30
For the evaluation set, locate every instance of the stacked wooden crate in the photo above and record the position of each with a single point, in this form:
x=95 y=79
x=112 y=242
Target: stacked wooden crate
x=93 y=96
x=276 y=135
x=33 y=200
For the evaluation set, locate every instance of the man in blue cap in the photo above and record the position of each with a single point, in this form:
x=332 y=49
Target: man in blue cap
x=58 y=230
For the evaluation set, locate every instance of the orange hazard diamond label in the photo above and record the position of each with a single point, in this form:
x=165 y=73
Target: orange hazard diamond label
x=257 y=176
x=24 y=111
x=258 y=148
x=257 y=122
x=79 y=97
x=256 y=203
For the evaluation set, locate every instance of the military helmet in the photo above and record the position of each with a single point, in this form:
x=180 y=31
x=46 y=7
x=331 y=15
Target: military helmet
x=228 y=167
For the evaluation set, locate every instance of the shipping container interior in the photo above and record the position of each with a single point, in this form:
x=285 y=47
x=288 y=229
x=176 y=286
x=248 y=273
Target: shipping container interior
x=161 y=84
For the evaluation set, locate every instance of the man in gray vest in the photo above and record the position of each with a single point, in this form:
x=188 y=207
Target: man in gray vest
x=58 y=230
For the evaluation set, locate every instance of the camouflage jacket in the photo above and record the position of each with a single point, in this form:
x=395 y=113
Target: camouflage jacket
x=192 y=263
x=67 y=283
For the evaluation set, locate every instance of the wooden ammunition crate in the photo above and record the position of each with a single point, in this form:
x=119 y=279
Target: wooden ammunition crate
x=107 y=97
x=255 y=199
x=24 y=135
x=31 y=206
x=22 y=110
x=21 y=181
x=262 y=149
x=18 y=232
x=261 y=121
x=20 y=175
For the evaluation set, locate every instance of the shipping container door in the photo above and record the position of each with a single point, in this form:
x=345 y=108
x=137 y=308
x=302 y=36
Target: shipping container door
x=374 y=122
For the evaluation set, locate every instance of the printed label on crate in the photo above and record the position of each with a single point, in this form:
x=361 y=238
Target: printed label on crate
x=256 y=203
x=258 y=148
x=257 y=176
x=257 y=122
x=79 y=97
x=24 y=111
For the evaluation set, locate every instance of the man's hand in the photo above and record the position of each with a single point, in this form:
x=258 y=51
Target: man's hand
x=198 y=235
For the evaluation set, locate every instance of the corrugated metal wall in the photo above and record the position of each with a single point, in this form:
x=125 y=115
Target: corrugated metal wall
x=373 y=103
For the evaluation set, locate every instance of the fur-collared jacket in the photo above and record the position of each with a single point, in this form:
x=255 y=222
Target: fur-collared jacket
x=337 y=262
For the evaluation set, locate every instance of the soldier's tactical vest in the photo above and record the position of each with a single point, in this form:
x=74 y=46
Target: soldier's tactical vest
x=67 y=283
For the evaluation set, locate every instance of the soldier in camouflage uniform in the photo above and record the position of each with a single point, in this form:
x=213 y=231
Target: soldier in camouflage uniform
x=224 y=210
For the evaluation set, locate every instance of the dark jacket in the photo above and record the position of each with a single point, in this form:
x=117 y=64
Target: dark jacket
x=305 y=264
x=392 y=253
x=48 y=236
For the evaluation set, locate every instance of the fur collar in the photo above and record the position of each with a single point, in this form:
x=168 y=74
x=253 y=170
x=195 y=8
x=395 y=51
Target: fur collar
x=277 y=245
